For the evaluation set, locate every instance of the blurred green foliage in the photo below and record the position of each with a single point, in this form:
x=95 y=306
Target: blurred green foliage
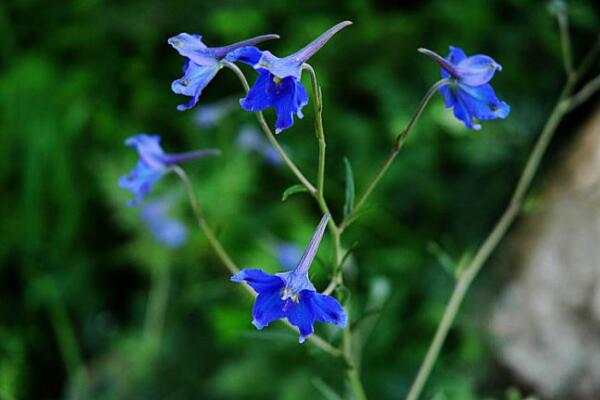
x=92 y=308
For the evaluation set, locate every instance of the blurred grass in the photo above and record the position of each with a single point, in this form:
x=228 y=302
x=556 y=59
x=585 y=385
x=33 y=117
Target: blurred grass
x=77 y=268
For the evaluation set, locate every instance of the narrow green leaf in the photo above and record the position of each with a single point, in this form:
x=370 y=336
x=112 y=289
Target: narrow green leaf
x=349 y=205
x=293 y=190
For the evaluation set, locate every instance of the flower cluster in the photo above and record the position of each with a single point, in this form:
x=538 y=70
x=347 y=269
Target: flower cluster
x=287 y=295
x=202 y=63
x=278 y=84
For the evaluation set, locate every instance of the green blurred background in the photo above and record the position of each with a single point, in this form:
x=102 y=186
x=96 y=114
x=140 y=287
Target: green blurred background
x=91 y=307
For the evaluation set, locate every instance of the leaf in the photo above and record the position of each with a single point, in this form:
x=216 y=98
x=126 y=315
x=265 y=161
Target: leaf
x=293 y=190
x=349 y=205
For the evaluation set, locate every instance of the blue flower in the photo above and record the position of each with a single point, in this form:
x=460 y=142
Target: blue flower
x=153 y=164
x=278 y=84
x=202 y=63
x=469 y=92
x=164 y=229
x=291 y=295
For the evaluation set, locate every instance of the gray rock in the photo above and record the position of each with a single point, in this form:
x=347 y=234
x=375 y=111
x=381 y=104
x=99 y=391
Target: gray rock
x=546 y=323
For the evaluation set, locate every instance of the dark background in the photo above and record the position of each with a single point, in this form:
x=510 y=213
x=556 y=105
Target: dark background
x=92 y=307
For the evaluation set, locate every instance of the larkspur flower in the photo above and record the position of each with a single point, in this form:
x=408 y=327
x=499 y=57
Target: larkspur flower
x=163 y=228
x=202 y=63
x=469 y=92
x=153 y=164
x=278 y=84
x=291 y=295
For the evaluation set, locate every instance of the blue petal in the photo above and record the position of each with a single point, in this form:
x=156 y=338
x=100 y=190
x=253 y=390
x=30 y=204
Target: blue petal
x=259 y=280
x=447 y=95
x=248 y=55
x=477 y=70
x=280 y=67
x=291 y=97
x=268 y=307
x=300 y=314
x=191 y=46
x=260 y=95
x=461 y=112
x=139 y=181
x=475 y=103
x=326 y=309
x=482 y=103
x=148 y=148
x=456 y=55
x=194 y=80
x=287 y=96
x=295 y=282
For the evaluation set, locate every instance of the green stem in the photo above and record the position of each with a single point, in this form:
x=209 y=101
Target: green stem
x=491 y=242
x=271 y=137
x=585 y=93
x=352 y=370
x=210 y=236
x=320 y=132
x=351 y=357
x=352 y=373
x=565 y=41
x=398 y=143
x=228 y=262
